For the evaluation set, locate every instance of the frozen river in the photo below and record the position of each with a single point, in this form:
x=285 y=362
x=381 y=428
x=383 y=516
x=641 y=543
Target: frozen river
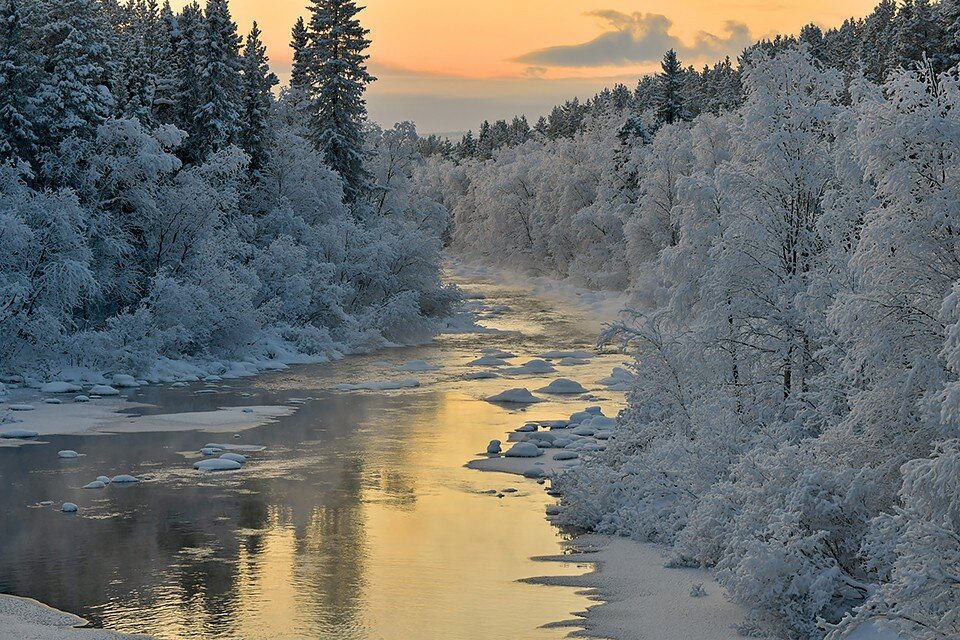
x=358 y=519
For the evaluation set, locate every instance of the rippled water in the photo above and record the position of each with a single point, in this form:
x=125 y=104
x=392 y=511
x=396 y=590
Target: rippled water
x=358 y=520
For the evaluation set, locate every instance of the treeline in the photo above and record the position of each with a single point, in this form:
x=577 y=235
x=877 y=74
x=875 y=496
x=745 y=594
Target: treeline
x=795 y=265
x=889 y=38
x=159 y=202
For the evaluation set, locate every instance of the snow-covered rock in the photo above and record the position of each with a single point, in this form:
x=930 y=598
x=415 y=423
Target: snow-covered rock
x=67 y=453
x=217 y=464
x=60 y=387
x=524 y=450
x=532 y=367
x=123 y=478
x=488 y=361
x=81 y=398
x=19 y=434
x=494 y=447
x=103 y=479
x=619 y=379
x=20 y=407
x=236 y=457
x=211 y=451
x=527 y=428
x=573 y=362
x=123 y=380
x=562 y=386
x=103 y=390
x=68 y=507
x=96 y=484
x=481 y=375
x=519 y=395
x=52 y=401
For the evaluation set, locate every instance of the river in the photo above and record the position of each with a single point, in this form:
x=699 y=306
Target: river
x=358 y=519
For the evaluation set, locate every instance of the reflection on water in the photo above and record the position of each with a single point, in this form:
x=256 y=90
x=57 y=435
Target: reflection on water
x=358 y=520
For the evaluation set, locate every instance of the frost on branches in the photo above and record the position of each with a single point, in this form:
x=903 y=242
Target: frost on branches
x=794 y=256
x=159 y=203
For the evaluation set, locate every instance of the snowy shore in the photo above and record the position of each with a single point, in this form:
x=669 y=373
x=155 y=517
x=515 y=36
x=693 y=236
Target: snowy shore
x=641 y=599
x=26 y=619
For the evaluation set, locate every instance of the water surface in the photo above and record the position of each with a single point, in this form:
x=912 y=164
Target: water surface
x=357 y=520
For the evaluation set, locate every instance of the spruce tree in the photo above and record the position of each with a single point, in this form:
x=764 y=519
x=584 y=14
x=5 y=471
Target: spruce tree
x=257 y=83
x=299 y=42
x=187 y=39
x=217 y=118
x=670 y=106
x=17 y=75
x=336 y=77
x=73 y=96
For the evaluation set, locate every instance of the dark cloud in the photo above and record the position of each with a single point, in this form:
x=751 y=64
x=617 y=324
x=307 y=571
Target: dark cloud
x=637 y=38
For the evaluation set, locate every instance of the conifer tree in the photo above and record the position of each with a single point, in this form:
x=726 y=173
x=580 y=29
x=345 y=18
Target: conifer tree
x=299 y=42
x=257 y=83
x=670 y=108
x=217 y=117
x=73 y=97
x=17 y=138
x=336 y=79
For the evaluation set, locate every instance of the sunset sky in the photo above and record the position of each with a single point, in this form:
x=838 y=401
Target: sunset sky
x=448 y=64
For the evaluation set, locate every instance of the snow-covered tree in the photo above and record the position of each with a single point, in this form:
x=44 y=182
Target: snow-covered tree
x=257 y=98
x=336 y=77
x=18 y=78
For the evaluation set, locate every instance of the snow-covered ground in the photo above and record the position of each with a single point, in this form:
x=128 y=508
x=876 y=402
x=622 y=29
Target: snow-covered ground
x=26 y=619
x=641 y=599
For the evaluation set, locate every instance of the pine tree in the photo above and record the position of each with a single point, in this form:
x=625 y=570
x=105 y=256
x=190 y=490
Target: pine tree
x=217 y=118
x=257 y=83
x=670 y=107
x=336 y=79
x=17 y=138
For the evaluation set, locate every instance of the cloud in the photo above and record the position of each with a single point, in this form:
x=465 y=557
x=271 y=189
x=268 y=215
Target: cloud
x=634 y=38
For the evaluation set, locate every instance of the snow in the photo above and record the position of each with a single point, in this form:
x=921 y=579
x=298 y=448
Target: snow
x=81 y=398
x=573 y=362
x=21 y=407
x=68 y=507
x=515 y=396
x=417 y=365
x=67 y=453
x=123 y=479
x=236 y=457
x=532 y=367
x=488 y=361
x=566 y=455
x=96 y=484
x=385 y=385
x=19 y=434
x=619 y=380
x=26 y=619
x=103 y=479
x=103 y=390
x=217 y=464
x=567 y=355
x=60 y=387
x=123 y=380
x=524 y=450
x=562 y=386
x=481 y=375
x=641 y=598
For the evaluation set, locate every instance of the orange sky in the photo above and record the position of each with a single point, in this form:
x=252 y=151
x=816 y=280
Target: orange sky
x=448 y=63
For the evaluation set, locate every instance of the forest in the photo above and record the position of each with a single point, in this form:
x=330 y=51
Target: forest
x=788 y=227
x=162 y=203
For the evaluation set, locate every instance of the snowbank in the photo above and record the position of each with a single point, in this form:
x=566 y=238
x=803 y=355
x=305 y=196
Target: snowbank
x=26 y=619
x=642 y=598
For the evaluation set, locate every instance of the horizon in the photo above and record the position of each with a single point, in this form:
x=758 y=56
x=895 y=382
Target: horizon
x=515 y=62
